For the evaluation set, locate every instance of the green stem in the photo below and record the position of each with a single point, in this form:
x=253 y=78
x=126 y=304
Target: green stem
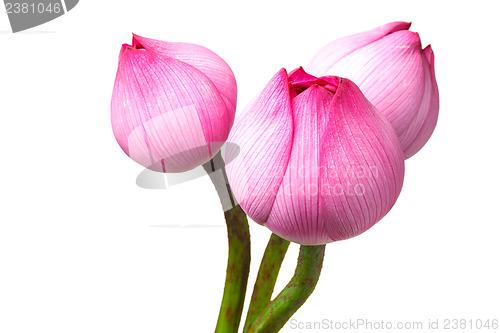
x=291 y=298
x=266 y=278
x=238 y=262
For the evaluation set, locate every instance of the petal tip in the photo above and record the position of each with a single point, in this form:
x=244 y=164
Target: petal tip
x=405 y=39
x=283 y=72
x=429 y=54
x=400 y=25
x=136 y=41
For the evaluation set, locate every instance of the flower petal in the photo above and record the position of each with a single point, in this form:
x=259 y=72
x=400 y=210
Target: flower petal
x=390 y=74
x=362 y=162
x=264 y=135
x=297 y=214
x=203 y=59
x=333 y=52
x=166 y=114
x=432 y=108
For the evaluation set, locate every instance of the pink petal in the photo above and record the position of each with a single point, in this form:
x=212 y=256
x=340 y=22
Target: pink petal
x=345 y=170
x=333 y=52
x=391 y=74
x=300 y=81
x=297 y=214
x=166 y=114
x=431 y=109
x=362 y=165
x=264 y=135
x=203 y=59
x=160 y=143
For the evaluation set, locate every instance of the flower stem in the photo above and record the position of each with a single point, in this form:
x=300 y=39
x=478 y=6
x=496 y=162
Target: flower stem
x=238 y=263
x=291 y=298
x=266 y=278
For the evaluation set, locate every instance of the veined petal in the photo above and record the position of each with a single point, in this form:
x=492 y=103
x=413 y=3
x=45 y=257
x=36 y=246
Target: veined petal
x=264 y=135
x=431 y=116
x=410 y=134
x=203 y=59
x=362 y=165
x=390 y=74
x=166 y=114
x=333 y=52
x=297 y=214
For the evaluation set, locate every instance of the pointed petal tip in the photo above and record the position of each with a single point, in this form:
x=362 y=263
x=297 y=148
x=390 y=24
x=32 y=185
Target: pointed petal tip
x=281 y=77
x=296 y=70
x=282 y=72
x=125 y=47
x=397 y=26
x=404 y=39
x=389 y=28
x=136 y=44
x=412 y=36
x=429 y=54
x=137 y=41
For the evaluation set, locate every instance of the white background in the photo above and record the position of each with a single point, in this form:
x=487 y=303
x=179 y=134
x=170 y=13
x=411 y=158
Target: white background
x=80 y=246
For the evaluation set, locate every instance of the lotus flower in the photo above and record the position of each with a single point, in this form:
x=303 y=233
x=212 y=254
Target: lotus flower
x=394 y=73
x=317 y=162
x=173 y=104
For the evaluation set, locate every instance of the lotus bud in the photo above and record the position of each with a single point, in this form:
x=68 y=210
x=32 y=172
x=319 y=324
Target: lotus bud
x=173 y=104
x=394 y=73
x=317 y=161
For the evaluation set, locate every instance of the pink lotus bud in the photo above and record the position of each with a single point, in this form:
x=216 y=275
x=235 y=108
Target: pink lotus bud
x=394 y=73
x=173 y=104
x=317 y=162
